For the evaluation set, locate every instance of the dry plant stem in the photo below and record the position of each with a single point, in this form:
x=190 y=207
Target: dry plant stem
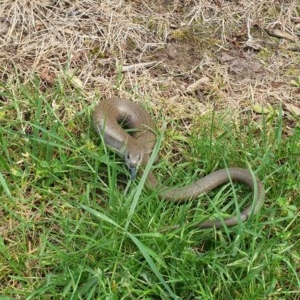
x=135 y=67
x=282 y=34
x=136 y=150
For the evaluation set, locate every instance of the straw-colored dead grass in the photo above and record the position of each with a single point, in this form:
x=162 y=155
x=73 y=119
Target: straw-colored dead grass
x=157 y=49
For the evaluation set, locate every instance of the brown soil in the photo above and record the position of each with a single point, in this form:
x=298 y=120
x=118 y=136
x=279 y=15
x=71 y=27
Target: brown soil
x=180 y=56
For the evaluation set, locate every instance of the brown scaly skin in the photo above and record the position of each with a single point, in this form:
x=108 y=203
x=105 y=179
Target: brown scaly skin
x=137 y=148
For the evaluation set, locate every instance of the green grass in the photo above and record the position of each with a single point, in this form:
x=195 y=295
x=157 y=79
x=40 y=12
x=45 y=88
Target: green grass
x=73 y=227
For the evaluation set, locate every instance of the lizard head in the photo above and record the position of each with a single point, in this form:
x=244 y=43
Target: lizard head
x=134 y=158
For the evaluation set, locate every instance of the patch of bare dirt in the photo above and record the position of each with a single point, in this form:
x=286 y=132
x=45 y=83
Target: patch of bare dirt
x=242 y=52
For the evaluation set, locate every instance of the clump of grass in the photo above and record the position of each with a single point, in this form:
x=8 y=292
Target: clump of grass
x=72 y=226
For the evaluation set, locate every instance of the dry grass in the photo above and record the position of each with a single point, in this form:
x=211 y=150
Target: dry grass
x=184 y=40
